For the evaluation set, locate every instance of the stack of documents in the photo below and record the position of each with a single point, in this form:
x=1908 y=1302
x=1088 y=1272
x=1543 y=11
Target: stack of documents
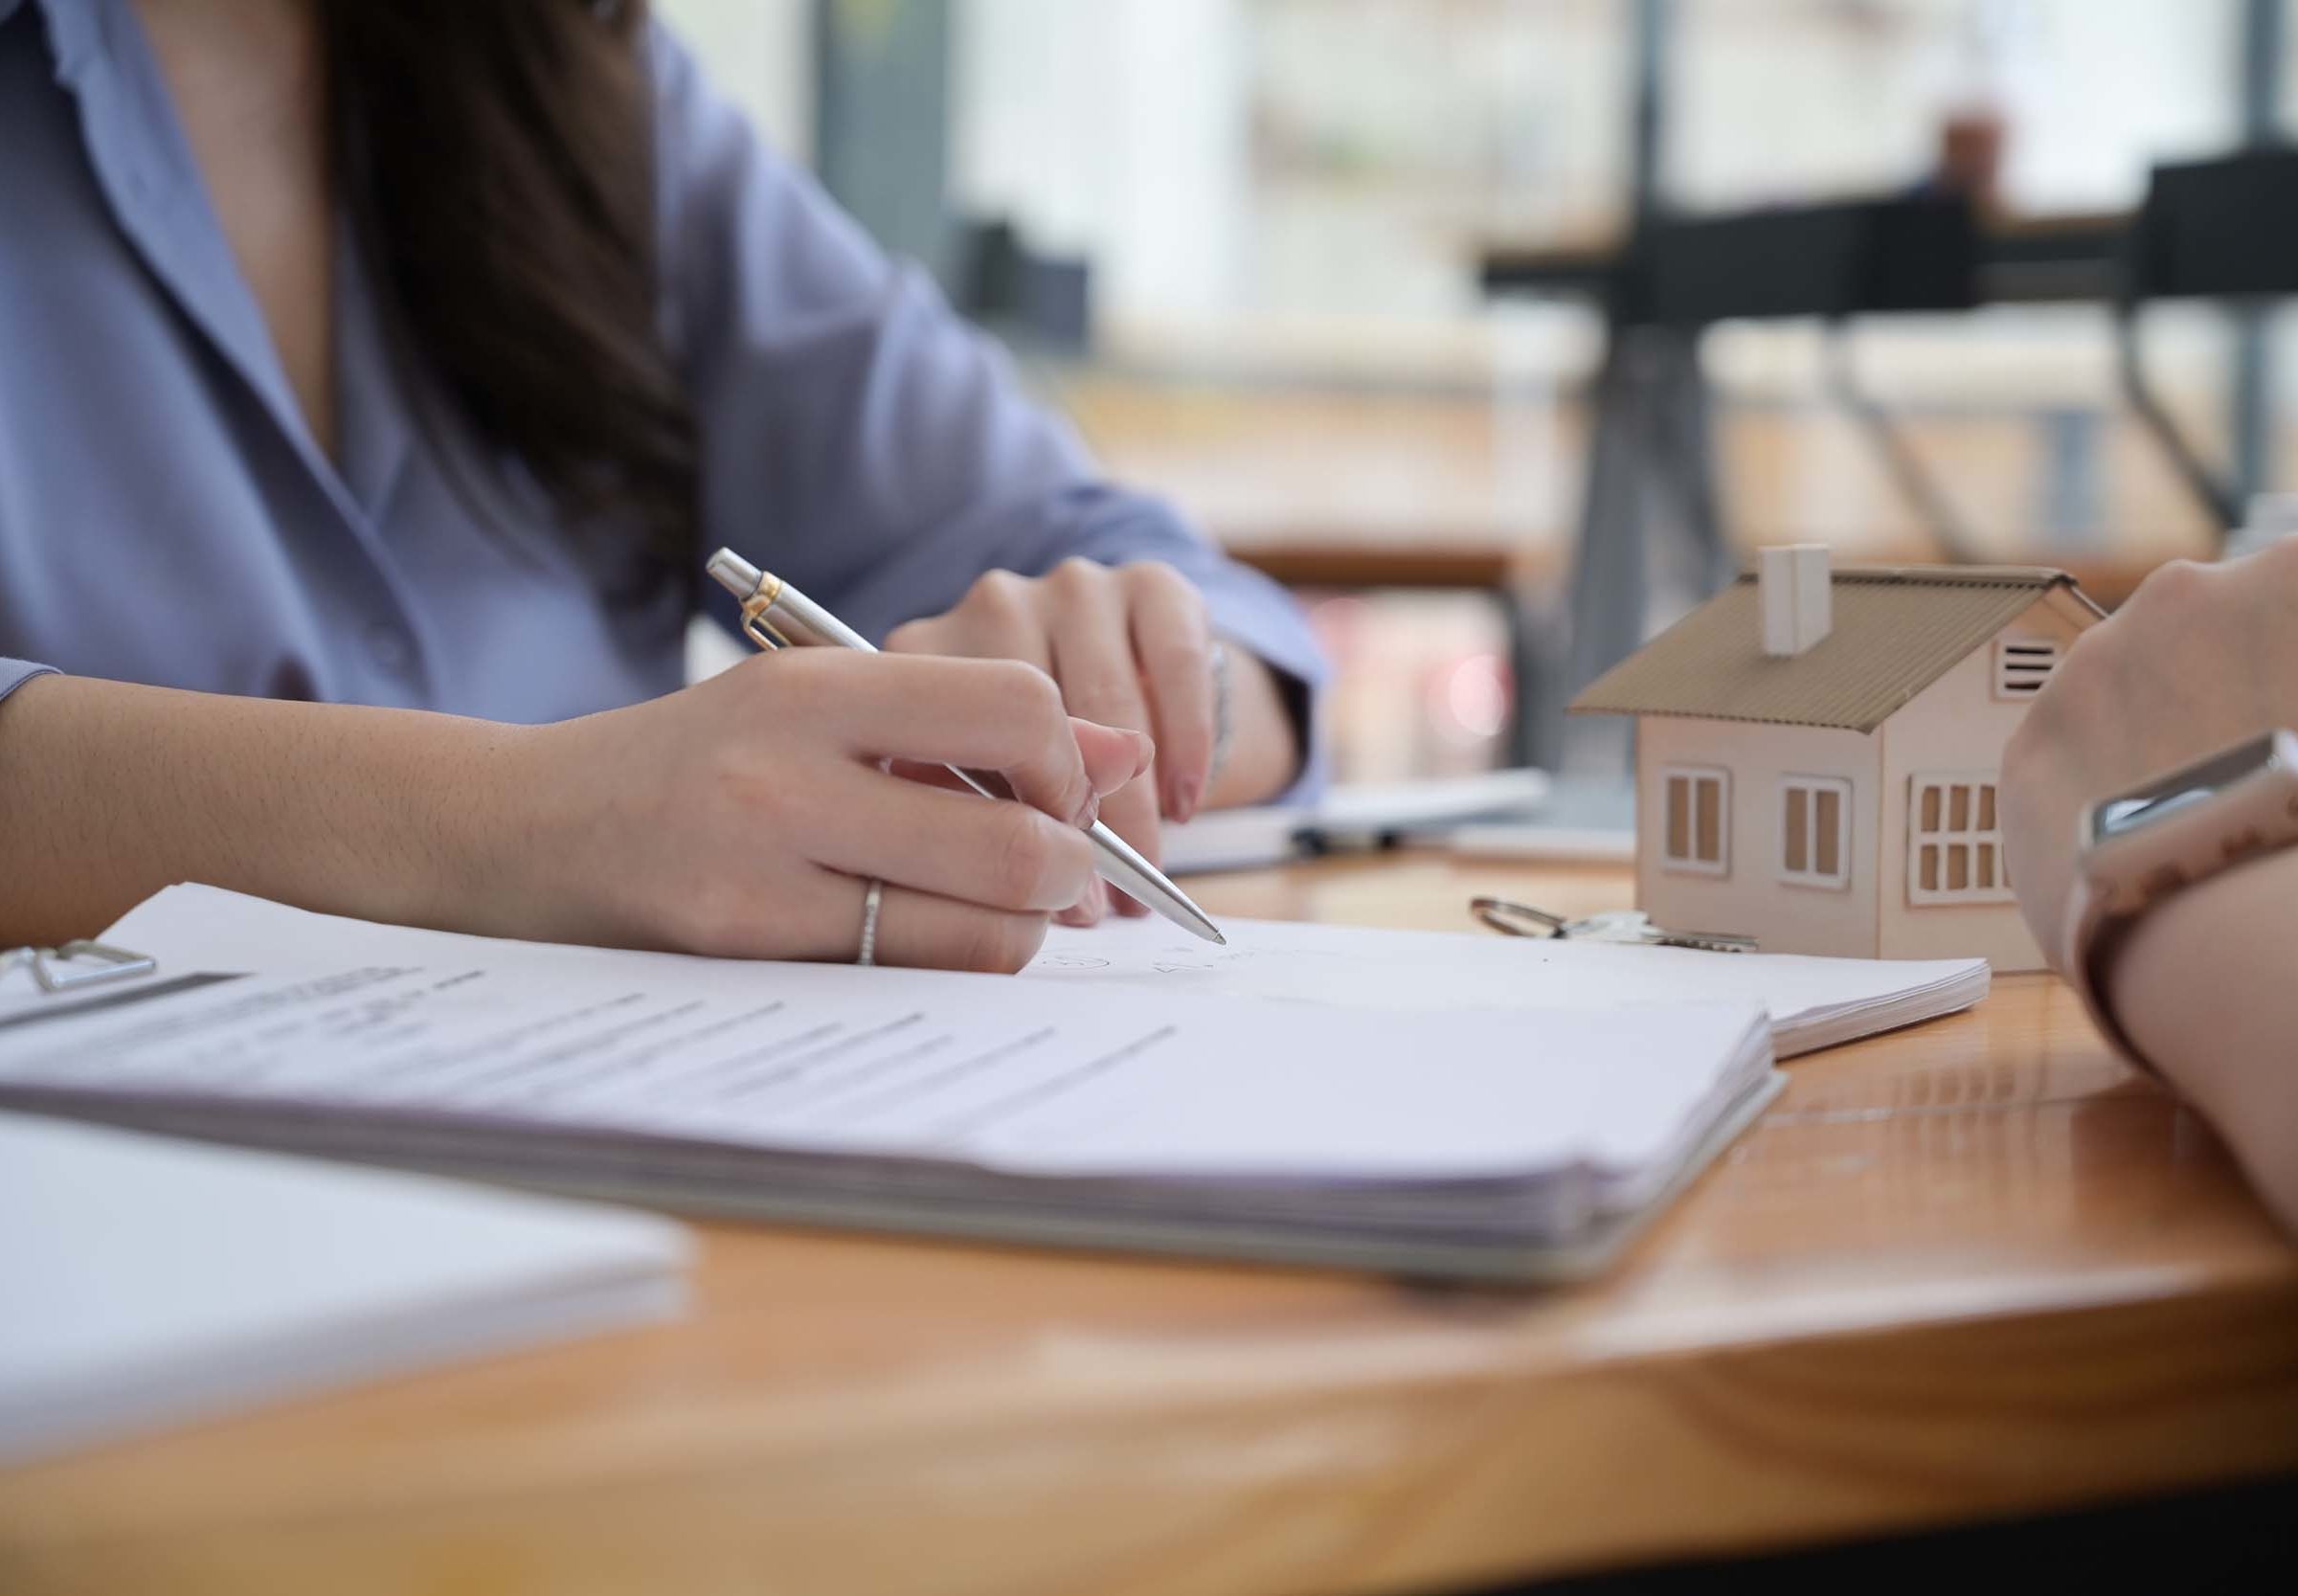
x=145 y=1280
x=1471 y=1142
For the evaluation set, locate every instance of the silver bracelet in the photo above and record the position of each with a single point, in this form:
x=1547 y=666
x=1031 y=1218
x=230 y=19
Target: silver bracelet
x=1225 y=715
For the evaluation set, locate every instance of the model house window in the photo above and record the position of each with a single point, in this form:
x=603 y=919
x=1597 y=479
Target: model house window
x=2022 y=665
x=1695 y=802
x=1954 y=841
x=1815 y=848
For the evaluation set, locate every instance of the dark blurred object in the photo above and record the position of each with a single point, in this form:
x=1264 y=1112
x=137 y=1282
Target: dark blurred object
x=1827 y=260
x=2234 y=1539
x=2227 y=227
x=2223 y=229
x=1972 y=142
x=1923 y=252
x=1045 y=300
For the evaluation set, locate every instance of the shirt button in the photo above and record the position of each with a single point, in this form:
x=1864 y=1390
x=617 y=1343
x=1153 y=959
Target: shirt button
x=390 y=646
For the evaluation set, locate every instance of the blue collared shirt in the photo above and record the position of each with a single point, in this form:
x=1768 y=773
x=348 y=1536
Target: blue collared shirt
x=166 y=517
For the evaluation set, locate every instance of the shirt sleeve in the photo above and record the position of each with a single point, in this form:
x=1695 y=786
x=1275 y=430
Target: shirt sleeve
x=15 y=673
x=859 y=437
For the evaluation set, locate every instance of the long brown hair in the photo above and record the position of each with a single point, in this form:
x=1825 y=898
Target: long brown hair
x=497 y=160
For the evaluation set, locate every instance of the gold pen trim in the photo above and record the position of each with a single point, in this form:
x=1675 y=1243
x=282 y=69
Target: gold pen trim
x=755 y=624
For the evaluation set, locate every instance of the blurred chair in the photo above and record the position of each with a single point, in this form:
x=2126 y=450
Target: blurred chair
x=2226 y=229
x=1652 y=478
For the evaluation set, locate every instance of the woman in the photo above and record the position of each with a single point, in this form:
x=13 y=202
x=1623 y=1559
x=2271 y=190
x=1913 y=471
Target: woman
x=412 y=354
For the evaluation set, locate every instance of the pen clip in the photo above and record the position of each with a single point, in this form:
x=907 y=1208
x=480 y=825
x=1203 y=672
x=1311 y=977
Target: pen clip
x=759 y=631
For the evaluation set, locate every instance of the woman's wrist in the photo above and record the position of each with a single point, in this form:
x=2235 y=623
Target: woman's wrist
x=2202 y=986
x=1264 y=751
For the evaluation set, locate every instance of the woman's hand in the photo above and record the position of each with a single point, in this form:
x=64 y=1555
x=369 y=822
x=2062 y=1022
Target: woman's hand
x=743 y=815
x=739 y=817
x=2200 y=658
x=1129 y=646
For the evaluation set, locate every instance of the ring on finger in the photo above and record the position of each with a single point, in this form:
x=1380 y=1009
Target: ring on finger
x=871 y=897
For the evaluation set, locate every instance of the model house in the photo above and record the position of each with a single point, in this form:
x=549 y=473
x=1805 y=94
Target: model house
x=1816 y=753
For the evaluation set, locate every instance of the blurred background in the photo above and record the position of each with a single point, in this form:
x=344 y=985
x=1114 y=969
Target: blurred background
x=1503 y=329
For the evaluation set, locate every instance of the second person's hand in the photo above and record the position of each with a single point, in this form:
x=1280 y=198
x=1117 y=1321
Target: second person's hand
x=2200 y=658
x=1129 y=646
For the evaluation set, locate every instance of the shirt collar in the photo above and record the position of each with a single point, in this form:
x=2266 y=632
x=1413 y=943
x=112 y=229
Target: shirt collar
x=149 y=176
x=75 y=33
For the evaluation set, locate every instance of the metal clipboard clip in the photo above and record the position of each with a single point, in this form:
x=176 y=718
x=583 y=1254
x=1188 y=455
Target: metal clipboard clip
x=54 y=970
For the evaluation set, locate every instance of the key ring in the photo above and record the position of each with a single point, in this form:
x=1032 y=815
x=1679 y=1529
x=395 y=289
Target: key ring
x=1517 y=919
x=1619 y=928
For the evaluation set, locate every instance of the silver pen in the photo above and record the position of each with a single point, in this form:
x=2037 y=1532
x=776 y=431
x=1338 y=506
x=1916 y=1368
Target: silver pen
x=775 y=615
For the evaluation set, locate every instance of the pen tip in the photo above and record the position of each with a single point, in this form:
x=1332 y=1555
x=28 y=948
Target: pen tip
x=1219 y=940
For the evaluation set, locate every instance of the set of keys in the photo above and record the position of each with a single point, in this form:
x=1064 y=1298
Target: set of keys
x=1626 y=927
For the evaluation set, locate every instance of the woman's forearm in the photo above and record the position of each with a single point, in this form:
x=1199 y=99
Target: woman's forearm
x=110 y=790
x=2205 y=987
x=742 y=817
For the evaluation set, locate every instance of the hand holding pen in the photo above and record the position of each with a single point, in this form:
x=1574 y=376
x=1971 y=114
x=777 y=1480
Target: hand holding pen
x=750 y=815
x=776 y=616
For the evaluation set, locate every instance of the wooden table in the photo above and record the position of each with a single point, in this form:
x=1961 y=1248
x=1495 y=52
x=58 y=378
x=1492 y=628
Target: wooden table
x=1974 y=1269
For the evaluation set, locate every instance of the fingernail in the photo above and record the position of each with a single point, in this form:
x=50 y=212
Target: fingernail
x=1088 y=909
x=1141 y=764
x=1091 y=812
x=1145 y=754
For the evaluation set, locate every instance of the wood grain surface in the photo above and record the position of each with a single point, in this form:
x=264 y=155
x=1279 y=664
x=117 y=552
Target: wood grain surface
x=1963 y=1270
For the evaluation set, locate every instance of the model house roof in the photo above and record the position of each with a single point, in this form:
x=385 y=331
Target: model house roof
x=1895 y=630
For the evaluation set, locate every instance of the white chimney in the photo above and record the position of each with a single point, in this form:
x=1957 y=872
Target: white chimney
x=1797 y=597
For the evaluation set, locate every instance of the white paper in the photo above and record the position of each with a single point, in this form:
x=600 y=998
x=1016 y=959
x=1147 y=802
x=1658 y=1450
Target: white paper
x=1016 y=1075
x=145 y=1280
x=1812 y=1001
